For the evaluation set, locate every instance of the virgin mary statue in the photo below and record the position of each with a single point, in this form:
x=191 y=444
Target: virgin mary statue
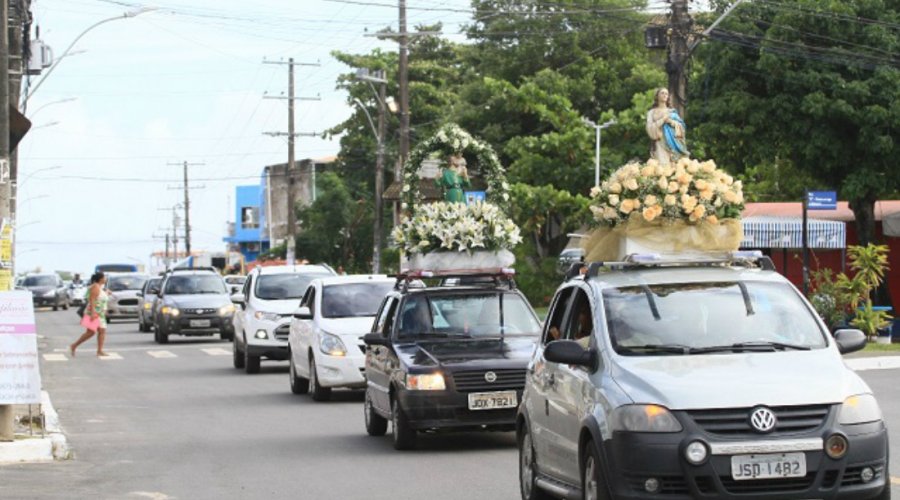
x=666 y=130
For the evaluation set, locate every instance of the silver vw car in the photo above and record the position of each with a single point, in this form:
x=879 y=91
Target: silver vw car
x=710 y=379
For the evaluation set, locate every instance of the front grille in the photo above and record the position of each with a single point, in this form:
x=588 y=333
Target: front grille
x=283 y=332
x=668 y=485
x=768 y=485
x=199 y=312
x=128 y=302
x=705 y=484
x=474 y=381
x=736 y=421
x=829 y=479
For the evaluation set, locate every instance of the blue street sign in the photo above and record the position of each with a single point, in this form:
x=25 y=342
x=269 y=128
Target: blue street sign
x=474 y=196
x=821 y=200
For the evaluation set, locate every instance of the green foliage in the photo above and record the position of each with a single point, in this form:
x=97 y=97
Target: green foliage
x=870 y=320
x=545 y=215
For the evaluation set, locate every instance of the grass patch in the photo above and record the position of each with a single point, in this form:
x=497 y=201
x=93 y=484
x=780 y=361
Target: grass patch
x=875 y=347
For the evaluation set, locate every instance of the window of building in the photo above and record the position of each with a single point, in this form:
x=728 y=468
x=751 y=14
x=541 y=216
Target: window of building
x=249 y=217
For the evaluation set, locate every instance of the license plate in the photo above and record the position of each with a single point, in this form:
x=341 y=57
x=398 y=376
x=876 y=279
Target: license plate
x=768 y=466
x=493 y=400
x=199 y=323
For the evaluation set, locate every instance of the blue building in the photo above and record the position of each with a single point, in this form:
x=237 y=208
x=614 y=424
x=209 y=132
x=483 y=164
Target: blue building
x=249 y=234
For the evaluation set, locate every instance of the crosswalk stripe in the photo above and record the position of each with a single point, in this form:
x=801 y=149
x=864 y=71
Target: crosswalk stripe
x=55 y=357
x=111 y=356
x=895 y=480
x=162 y=354
x=217 y=351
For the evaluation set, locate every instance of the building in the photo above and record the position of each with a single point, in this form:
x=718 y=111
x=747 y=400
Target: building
x=248 y=232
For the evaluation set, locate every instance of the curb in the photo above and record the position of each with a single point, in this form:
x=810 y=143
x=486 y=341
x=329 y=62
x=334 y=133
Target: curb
x=873 y=363
x=53 y=446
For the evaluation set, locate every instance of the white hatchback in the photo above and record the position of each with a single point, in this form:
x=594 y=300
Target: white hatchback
x=325 y=343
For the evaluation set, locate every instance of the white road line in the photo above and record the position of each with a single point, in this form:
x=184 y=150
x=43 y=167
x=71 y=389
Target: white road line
x=162 y=354
x=873 y=363
x=217 y=351
x=55 y=357
x=111 y=356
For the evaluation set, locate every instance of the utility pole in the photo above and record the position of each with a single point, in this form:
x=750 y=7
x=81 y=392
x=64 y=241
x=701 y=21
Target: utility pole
x=187 y=204
x=291 y=234
x=7 y=432
x=403 y=80
x=680 y=24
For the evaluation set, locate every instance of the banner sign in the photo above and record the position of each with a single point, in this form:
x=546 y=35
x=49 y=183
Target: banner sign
x=20 y=375
x=6 y=237
x=475 y=197
x=821 y=200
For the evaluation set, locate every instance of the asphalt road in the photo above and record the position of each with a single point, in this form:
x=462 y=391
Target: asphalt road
x=177 y=421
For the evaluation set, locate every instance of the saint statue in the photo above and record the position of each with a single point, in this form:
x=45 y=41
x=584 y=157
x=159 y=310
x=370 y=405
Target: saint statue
x=453 y=179
x=666 y=130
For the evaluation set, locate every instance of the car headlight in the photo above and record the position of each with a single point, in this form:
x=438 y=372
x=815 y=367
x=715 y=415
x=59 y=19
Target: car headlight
x=331 y=345
x=147 y=305
x=859 y=409
x=51 y=293
x=644 y=418
x=265 y=316
x=226 y=310
x=172 y=311
x=427 y=382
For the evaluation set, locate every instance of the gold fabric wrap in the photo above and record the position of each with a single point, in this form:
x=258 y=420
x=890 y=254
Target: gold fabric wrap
x=663 y=237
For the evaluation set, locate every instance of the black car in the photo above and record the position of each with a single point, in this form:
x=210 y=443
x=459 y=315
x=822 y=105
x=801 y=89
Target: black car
x=47 y=290
x=448 y=357
x=193 y=302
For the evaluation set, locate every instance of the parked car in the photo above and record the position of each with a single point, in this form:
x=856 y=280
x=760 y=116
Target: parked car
x=193 y=302
x=708 y=379
x=447 y=357
x=568 y=257
x=235 y=283
x=325 y=347
x=76 y=293
x=47 y=290
x=123 y=289
x=147 y=303
x=265 y=307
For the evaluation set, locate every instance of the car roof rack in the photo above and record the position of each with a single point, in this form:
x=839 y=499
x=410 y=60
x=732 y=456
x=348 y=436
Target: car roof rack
x=188 y=269
x=498 y=276
x=743 y=258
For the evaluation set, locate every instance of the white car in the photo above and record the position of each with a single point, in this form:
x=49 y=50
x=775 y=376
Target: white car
x=123 y=294
x=265 y=306
x=326 y=349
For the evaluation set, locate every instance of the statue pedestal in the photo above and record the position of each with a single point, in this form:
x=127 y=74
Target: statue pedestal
x=458 y=261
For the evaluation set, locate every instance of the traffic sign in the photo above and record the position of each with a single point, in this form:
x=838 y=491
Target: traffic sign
x=821 y=200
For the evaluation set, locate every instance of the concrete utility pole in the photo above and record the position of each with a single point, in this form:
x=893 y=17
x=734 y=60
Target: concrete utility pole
x=7 y=432
x=680 y=24
x=403 y=80
x=291 y=135
x=187 y=204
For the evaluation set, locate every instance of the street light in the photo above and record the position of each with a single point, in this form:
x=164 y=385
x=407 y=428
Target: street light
x=29 y=176
x=30 y=198
x=59 y=101
x=125 y=15
x=45 y=125
x=20 y=226
x=598 y=128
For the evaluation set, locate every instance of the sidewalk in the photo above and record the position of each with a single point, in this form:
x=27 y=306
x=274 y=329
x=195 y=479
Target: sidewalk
x=30 y=444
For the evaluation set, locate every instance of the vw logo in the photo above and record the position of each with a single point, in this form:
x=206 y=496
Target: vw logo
x=763 y=420
x=490 y=377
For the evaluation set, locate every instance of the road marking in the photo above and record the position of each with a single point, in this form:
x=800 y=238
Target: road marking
x=873 y=363
x=111 y=356
x=895 y=480
x=162 y=354
x=55 y=357
x=217 y=351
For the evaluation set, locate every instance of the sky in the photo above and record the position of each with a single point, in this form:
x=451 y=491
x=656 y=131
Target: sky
x=183 y=82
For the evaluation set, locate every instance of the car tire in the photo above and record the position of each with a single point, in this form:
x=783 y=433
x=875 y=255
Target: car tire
x=65 y=304
x=318 y=392
x=56 y=305
x=160 y=337
x=593 y=479
x=299 y=385
x=527 y=473
x=404 y=435
x=237 y=355
x=227 y=337
x=142 y=327
x=251 y=363
x=376 y=425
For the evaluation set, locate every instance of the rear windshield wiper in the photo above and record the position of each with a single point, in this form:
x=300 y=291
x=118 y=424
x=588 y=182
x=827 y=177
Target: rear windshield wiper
x=655 y=349
x=750 y=346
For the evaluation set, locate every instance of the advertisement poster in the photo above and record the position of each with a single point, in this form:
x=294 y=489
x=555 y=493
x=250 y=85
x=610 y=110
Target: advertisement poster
x=20 y=376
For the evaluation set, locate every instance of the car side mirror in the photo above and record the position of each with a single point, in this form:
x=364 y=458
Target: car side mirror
x=849 y=340
x=569 y=352
x=303 y=313
x=238 y=299
x=371 y=339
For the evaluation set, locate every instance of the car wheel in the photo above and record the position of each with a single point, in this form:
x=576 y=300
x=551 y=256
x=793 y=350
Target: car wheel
x=65 y=304
x=299 y=385
x=376 y=425
x=56 y=305
x=318 y=392
x=160 y=336
x=228 y=337
x=527 y=472
x=251 y=363
x=237 y=355
x=593 y=480
x=404 y=435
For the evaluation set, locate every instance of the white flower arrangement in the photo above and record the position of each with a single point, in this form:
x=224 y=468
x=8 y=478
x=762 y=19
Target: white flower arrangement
x=689 y=190
x=456 y=227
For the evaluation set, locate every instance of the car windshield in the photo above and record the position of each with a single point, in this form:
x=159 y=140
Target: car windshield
x=476 y=314
x=284 y=286
x=122 y=283
x=39 y=281
x=353 y=299
x=194 y=284
x=695 y=318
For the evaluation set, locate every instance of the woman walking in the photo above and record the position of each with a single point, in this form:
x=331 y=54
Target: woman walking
x=95 y=310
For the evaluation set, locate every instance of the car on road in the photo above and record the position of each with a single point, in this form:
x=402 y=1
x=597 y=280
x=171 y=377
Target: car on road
x=193 y=302
x=123 y=289
x=325 y=347
x=76 y=293
x=447 y=357
x=235 y=283
x=147 y=303
x=265 y=307
x=47 y=290
x=710 y=377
